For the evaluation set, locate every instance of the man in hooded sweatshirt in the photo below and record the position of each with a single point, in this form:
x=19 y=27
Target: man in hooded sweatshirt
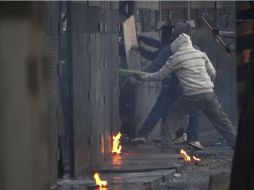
x=169 y=92
x=196 y=74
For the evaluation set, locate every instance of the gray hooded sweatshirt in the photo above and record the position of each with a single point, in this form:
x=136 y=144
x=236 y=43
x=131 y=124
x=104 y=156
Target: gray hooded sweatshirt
x=192 y=67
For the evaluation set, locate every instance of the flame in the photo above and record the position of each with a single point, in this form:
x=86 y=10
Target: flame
x=196 y=158
x=186 y=157
x=116 y=144
x=99 y=182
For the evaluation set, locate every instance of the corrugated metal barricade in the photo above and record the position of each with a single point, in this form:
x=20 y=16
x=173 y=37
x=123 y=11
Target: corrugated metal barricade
x=51 y=43
x=81 y=86
x=95 y=81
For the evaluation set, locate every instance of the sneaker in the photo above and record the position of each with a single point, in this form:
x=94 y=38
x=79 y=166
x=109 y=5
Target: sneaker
x=196 y=144
x=182 y=139
x=138 y=140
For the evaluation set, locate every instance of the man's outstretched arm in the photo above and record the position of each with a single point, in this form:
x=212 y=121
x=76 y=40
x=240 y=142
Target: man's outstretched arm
x=160 y=60
x=147 y=54
x=164 y=72
x=150 y=41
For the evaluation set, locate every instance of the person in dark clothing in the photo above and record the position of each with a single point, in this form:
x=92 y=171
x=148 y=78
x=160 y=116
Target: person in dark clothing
x=166 y=32
x=169 y=92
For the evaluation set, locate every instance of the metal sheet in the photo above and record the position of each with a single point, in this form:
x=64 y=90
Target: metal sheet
x=114 y=5
x=95 y=68
x=94 y=19
x=146 y=96
x=97 y=100
x=81 y=103
x=94 y=3
x=80 y=11
x=51 y=45
x=115 y=122
x=115 y=21
x=108 y=73
x=106 y=21
x=105 y=4
x=147 y=5
x=174 y=14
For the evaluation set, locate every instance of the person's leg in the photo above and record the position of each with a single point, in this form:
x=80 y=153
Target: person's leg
x=192 y=129
x=177 y=117
x=161 y=107
x=219 y=118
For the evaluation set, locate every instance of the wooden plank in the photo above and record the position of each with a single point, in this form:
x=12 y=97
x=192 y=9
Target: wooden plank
x=130 y=39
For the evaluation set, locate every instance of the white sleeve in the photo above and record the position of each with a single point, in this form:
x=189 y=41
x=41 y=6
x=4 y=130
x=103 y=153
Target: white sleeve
x=164 y=72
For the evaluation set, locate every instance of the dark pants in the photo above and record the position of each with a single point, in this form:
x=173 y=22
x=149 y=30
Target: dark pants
x=208 y=103
x=167 y=97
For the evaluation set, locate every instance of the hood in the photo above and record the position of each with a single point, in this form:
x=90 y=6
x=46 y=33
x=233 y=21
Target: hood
x=182 y=42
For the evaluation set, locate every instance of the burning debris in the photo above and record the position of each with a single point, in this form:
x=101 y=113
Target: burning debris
x=99 y=182
x=196 y=159
x=116 y=149
x=188 y=158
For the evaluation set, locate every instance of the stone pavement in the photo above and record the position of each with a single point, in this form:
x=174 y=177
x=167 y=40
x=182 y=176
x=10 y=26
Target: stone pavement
x=151 y=167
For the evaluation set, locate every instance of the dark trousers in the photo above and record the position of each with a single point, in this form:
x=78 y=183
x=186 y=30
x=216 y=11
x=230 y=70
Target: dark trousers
x=208 y=103
x=167 y=97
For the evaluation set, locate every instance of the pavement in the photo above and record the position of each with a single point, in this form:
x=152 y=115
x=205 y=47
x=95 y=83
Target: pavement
x=151 y=167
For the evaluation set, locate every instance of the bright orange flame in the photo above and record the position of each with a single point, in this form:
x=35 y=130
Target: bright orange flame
x=99 y=182
x=196 y=158
x=186 y=157
x=116 y=144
